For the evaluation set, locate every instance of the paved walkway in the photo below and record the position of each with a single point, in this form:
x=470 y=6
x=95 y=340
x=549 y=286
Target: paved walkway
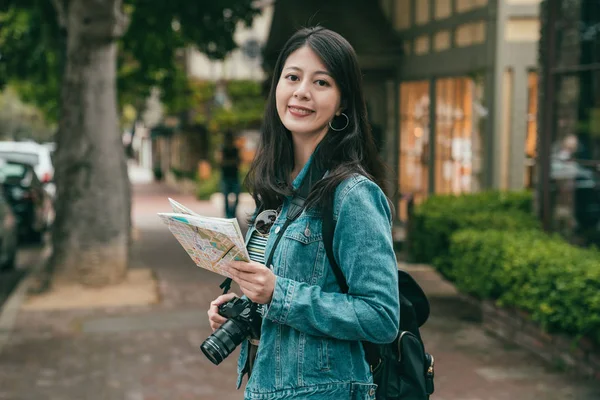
x=152 y=352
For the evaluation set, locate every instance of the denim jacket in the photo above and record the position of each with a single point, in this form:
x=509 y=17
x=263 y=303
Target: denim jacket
x=311 y=332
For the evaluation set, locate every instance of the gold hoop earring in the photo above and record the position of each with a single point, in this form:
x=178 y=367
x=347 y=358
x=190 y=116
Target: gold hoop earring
x=345 y=126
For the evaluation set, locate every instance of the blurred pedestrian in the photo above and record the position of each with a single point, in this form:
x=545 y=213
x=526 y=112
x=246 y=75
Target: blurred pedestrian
x=230 y=161
x=311 y=332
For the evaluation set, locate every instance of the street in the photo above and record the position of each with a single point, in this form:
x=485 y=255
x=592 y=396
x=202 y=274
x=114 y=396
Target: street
x=151 y=352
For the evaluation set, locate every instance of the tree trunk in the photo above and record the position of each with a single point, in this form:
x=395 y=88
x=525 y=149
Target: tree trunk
x=91 y=233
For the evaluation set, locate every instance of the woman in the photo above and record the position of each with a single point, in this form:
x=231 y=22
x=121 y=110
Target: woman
x=311 y=331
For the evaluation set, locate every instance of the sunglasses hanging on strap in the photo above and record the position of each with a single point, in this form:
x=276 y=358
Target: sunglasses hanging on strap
x=296 y=207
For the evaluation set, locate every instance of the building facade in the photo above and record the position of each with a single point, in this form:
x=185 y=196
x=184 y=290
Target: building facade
x=569 y=119
x=467 y=95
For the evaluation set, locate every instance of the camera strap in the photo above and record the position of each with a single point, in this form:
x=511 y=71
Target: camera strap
x=296 y=207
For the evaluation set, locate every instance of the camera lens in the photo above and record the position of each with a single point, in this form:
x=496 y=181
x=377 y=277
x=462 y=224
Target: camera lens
x=223 y=341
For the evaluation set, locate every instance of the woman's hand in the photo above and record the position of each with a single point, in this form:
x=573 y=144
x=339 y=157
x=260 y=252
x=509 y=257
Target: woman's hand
x=216 y=319
x=256 y=281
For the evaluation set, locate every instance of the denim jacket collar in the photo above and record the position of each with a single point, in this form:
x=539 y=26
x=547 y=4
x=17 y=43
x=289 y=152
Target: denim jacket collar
x=298 y=180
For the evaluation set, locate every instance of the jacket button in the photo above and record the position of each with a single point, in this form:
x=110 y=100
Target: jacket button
x=307 y=232
x=372 y=392
x=277 y=229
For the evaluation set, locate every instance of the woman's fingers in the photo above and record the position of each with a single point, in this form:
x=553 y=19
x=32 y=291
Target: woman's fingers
x=214 y=318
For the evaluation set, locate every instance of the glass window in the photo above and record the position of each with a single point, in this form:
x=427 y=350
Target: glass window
x=458 y=140
x=479 y=32
x=578 y=33
x=441 y=40
x=443 y=9
x=470 y=34
x=27 y=158
x=422 y=12
x=14 y=170
x=575 y=157
x=468 y=5
x=422 y=45
x=413 y=175
x=403 y=12
x=522 y=30
x=464 y=35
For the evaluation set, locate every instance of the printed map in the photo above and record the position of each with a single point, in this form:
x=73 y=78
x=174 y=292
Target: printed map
x=209 y=241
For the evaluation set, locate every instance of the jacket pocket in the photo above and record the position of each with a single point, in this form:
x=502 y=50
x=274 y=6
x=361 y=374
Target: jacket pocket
x=302 y=255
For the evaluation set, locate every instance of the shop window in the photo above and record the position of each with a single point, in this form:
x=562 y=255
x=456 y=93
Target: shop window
x=458 y=140
x=402 y=18
x=413 y=175
x=443 y=9
x=422 y=12
x=531 y=136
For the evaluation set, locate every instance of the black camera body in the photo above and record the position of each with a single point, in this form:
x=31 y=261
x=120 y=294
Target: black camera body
x=243 y=321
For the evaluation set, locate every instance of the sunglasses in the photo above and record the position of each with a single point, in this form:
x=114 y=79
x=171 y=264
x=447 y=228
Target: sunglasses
x=265 y=220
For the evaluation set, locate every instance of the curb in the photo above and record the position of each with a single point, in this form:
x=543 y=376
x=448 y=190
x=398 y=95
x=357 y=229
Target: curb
x=10 y=310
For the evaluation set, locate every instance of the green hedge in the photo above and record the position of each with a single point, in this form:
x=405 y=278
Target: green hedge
x=438 y=217
x=558 y=284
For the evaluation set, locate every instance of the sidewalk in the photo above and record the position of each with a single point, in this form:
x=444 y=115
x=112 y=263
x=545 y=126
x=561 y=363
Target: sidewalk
x=151 y=352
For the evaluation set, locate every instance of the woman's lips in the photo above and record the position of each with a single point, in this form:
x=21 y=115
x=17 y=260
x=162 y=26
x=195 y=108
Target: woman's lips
x=299 y=111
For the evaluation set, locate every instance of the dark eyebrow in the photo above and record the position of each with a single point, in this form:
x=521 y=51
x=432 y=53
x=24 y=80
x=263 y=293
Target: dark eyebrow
x=323 y=73
x=316 y=72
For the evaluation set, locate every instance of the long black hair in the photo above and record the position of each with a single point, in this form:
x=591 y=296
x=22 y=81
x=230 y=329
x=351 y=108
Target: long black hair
x=343 y=153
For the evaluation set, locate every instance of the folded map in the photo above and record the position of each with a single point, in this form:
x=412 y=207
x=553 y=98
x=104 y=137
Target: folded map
x=210 y=241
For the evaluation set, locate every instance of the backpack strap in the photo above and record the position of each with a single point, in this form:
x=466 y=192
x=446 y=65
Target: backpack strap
x=328 y=230
x=372 y=353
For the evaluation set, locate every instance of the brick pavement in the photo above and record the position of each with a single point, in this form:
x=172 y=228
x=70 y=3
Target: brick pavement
x=152 y=352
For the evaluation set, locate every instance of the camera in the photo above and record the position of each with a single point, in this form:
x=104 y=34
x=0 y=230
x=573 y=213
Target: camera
x=243 y=321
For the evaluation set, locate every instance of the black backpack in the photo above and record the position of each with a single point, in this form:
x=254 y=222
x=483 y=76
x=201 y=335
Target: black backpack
x=401 y=369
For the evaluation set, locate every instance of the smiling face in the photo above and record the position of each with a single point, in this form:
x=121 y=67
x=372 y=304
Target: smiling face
x=307 y=97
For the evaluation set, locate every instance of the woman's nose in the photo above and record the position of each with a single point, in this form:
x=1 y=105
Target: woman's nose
x=302 y=91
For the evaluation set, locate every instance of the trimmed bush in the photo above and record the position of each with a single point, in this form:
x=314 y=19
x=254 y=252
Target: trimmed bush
x=558 y=284
x=438 y=217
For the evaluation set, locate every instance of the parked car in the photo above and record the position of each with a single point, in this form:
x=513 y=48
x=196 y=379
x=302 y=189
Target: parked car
x=35 y=154
x=30 y=202
x=8 y=233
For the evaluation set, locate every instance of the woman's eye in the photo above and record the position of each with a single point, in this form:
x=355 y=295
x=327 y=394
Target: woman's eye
x=292 y=78
x=321 y=82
